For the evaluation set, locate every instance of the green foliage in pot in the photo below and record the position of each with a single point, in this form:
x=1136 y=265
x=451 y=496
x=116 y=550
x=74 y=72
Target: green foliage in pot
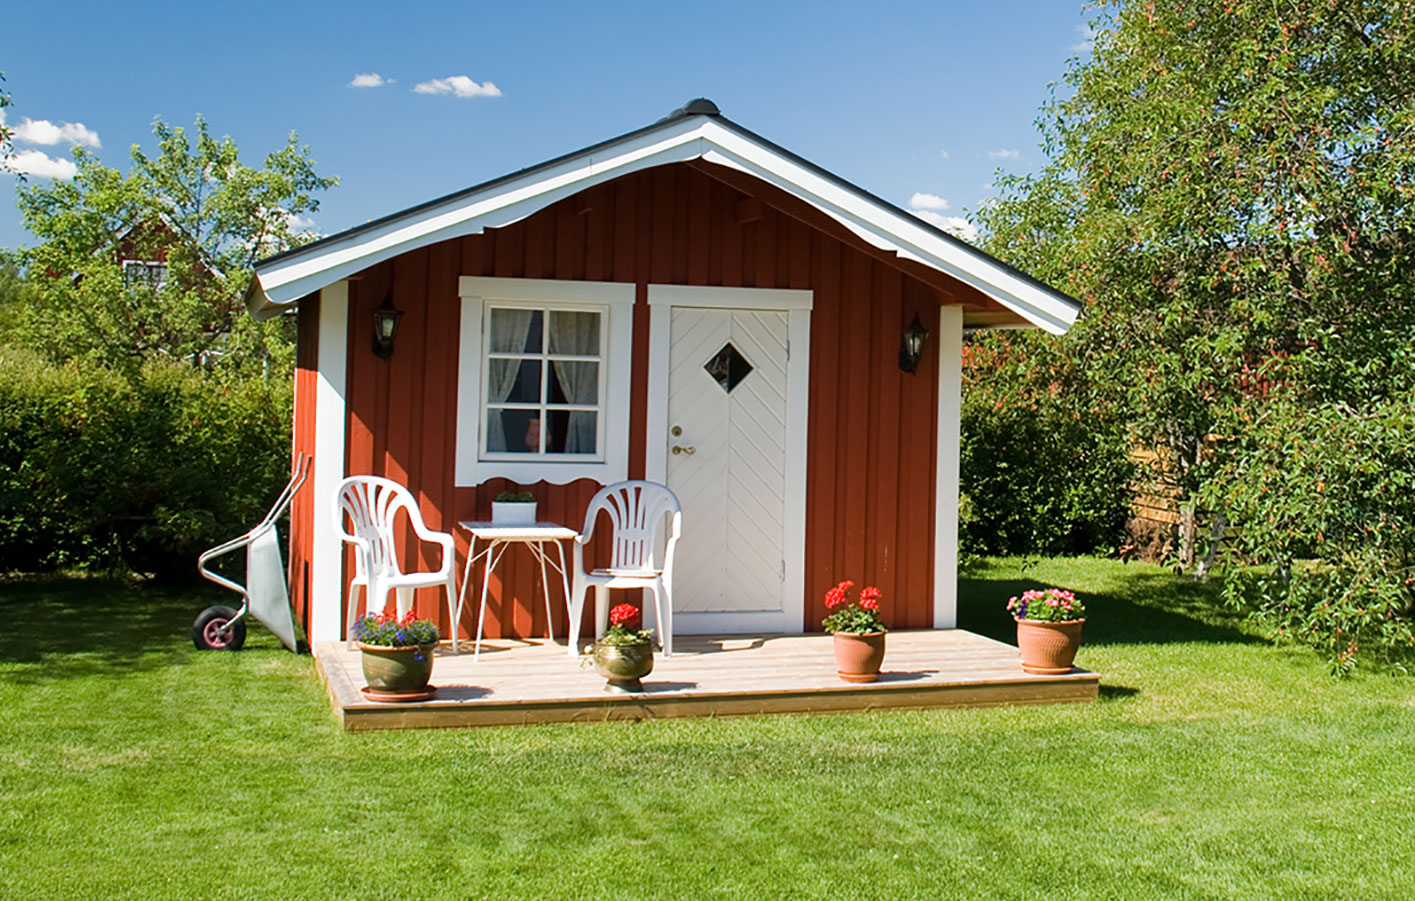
x=860 y=617
x=389 y=631
x=1048 y=605
x=623 y=630
x=515 y=497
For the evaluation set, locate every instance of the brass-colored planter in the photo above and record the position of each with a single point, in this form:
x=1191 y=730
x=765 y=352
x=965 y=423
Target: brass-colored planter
x=623 y=666
x=397 y=673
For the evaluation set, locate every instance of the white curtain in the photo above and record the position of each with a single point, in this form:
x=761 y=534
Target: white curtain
x=577 y=334
x=509 y=331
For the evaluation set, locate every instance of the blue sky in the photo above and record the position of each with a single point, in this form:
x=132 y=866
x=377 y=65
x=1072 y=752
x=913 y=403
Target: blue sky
x=903 y=99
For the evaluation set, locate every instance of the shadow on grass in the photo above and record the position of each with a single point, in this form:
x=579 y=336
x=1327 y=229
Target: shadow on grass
x=1117 y=692
x=1156 y=609
x=83 y=627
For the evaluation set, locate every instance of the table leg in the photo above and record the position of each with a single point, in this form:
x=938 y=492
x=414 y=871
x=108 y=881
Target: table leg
x=494 y=552
x=462 y=595
x=545 y=590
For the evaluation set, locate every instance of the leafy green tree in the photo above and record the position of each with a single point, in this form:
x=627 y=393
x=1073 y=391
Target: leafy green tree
x=1230 y=191
x=7 y=146
x=198 y=213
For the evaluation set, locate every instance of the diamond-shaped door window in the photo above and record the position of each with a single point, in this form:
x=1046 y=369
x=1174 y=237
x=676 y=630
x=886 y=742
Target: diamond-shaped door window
x=728 y=367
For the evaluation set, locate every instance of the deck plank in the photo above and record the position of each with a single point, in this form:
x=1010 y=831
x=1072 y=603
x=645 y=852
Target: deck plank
x=522 y=682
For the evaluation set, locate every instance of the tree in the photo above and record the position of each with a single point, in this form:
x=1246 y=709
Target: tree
x=1230 y=191
x=191 y=222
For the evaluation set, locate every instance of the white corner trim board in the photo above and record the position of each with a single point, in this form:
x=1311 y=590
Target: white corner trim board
x=326 y=555
x=615 y=300
x=286 y=278
x=950 y=407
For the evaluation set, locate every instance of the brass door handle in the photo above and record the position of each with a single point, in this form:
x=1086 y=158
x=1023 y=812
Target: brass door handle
x=678 y=449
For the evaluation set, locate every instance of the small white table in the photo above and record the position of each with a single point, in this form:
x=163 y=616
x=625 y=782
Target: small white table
x=498 y=538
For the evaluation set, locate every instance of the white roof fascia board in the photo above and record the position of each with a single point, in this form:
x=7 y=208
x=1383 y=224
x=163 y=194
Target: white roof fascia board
x=287 y=280
x=888 y=230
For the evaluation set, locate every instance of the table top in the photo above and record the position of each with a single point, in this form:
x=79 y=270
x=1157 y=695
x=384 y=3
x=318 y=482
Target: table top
x=540 y=531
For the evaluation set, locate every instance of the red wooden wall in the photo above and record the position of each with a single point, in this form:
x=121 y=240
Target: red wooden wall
x=302 y=509
x=870 y=472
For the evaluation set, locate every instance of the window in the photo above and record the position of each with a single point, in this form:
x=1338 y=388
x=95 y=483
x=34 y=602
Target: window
x=543 y=380
x=542 y=386
x=139 y=272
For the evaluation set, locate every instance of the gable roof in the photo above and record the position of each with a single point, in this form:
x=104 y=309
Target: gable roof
x=696 y=131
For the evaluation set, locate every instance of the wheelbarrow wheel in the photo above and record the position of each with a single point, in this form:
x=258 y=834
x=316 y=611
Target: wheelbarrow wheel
x=207 y=632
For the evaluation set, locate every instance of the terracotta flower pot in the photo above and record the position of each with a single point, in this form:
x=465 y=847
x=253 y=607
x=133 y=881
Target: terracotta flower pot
x=1048 y=649
x=397 y=674
x=858 y=657
x=623 y=665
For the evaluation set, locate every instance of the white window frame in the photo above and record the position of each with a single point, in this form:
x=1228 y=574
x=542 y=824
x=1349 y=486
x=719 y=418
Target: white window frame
x=545 y=357
x=615 y=302
x=147 y=267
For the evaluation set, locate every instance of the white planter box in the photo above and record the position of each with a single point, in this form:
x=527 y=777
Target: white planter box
x=513 y=513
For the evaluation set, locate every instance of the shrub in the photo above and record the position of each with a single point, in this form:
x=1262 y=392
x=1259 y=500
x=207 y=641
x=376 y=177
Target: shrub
x=1324 y=500
x=140 y=471
x=1043 y=466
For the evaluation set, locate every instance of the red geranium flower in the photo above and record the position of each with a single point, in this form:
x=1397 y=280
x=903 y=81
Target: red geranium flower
x=626 y=615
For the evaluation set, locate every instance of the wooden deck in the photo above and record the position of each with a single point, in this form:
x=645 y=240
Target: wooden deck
x=708 y=675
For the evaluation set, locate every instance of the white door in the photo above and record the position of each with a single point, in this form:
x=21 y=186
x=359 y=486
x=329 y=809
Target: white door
x=727 y=462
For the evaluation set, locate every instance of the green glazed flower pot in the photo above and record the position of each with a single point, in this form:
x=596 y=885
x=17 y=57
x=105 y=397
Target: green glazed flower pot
x=623 y=666
x=400 y=672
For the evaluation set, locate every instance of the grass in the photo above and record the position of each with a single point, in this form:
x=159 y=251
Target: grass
x=1214 y=766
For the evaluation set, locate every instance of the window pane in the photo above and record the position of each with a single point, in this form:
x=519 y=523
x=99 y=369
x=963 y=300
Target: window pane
x=513 y=431
x=574 y=383
x=515 y=331
x=574 y=333
x=514 y=382
x=572 y=432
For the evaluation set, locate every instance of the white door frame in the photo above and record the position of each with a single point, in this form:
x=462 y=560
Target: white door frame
x=797 y=305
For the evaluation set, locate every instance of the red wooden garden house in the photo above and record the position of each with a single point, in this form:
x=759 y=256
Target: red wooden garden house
x=689 y=284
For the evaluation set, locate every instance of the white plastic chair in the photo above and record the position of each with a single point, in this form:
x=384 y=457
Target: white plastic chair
x=636 y=512
x=371 y=503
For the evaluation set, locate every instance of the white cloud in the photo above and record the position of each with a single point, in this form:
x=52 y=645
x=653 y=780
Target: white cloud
x=1088 y=39
x=369 y=80
x=928 y=202
x=41 y=164
x=42 y=131
x=458 y=85
x=298 y=223
x=943 y=154
x=954 y=225
x=1003 y=154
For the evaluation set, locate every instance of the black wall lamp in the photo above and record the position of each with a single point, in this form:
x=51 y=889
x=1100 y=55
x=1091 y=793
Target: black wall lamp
x=911 y=345
x=385 y=324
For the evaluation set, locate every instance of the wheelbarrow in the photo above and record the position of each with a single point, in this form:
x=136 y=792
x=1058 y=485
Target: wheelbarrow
x=266 y=597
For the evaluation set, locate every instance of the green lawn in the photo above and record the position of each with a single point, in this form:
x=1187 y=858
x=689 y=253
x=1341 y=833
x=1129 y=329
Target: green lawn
x=1214 y=765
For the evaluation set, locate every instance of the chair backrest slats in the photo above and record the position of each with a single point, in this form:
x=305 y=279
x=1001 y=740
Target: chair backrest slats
x=637 y=511
x=371 y=504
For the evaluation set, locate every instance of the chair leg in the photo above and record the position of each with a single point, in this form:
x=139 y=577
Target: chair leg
x=354 y=589
x=451 y=611
x=576 y=602
x=601 y=610
x=663 y=597
x=404 y=599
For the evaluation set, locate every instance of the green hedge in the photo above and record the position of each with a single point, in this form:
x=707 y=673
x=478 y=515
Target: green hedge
x=1043 y=468
x=100 y=470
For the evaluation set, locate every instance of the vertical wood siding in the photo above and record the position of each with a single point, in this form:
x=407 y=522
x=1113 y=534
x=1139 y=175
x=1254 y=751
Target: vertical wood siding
x=302 y=508
x=870 y=472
